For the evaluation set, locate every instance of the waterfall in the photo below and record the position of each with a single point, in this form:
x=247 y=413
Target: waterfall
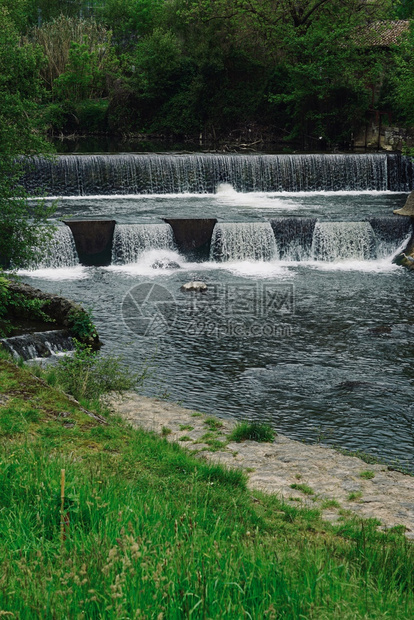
x=241 y=241
x=294 y=237
x=333 y=241
x=390 y=233
x=38 y=344
x=132 y=240
x=60 y=251
x=198 y=173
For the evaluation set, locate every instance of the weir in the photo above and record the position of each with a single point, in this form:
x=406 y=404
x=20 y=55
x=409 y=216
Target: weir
x=243 y=241
x=60 y=251
x=294 y=236
x=192 y=236
x=285 y=238
x=93 y=240
x=242 y=342
x=86 y=175
x=38 y=344
x=333 y=241
x=132 y=240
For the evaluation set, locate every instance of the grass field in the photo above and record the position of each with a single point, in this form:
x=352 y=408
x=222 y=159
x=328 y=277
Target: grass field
x=149 y=531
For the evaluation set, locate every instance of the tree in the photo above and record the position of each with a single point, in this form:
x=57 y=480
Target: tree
x=317 y=70
x=400 y=82
x=130 y=19
x=21 y=223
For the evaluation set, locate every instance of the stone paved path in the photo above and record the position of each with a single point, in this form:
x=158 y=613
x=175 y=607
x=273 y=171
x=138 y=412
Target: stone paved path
x=273 y=468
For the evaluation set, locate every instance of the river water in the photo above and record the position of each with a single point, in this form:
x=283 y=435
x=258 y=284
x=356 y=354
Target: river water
x=314 y=339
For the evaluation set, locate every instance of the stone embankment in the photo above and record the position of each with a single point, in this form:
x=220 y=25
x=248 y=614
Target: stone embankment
x=323 y=477
x=61 y=312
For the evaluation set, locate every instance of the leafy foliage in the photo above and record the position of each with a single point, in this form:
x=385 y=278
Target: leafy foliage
x=400 y=83
x=89 y=375
x=21 y=230
x=78 y=48
x=16 y=304
x=81 y=324
x=210 y=68
x=130 y=19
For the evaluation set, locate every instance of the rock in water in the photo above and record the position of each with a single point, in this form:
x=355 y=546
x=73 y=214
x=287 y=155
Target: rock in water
x=164 y=263
x=195 y=285
x=408 y=208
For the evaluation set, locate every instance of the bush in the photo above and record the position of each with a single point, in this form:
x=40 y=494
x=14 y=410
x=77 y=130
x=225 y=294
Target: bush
x=255 y=431
x=79 y=49
x=81 y=325
x=89 y=375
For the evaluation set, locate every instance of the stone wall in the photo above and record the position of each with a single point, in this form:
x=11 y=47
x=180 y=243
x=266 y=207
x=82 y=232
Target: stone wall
x=384 y=137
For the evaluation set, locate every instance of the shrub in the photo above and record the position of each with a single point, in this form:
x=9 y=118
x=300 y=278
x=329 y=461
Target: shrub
x=81 y=325
x=255 y=431
x=90 y=375
x=64 y=36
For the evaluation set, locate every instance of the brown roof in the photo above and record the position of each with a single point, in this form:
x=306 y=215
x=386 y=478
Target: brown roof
x=382 y=33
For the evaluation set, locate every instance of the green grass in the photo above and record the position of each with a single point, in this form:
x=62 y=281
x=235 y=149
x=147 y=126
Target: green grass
x=367 y=475
x=152 y=532
x=253 y=431
x=354 y=496
x=330 y=503
x=213 y=423
x=304 y=488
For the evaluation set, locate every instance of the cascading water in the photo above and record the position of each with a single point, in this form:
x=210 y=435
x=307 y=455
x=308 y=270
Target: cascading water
x=390 y=233
x=132 y=240
x=333 y=241
x=84 y=175
x=38 y=344
x=243 y=241
x=294 y=237
x=278 y=341
x=60 y=251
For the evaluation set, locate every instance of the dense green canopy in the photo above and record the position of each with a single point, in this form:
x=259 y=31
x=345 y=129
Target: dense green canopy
x=300 y=70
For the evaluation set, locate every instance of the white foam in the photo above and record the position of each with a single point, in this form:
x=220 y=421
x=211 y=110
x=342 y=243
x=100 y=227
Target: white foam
x=380 y=265
x=224 y=193
x=383 y=265
x=63 y=273
x=255 y=269
x=125 y=197
x=144 y=265
x=227 y=195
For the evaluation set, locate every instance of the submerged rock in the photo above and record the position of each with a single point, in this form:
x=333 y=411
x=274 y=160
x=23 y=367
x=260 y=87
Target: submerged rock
x=380 y=330
x=352 y=385
x=195 y=285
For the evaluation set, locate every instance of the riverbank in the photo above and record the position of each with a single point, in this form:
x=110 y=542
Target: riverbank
x=98 y=519
x=308 y=475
